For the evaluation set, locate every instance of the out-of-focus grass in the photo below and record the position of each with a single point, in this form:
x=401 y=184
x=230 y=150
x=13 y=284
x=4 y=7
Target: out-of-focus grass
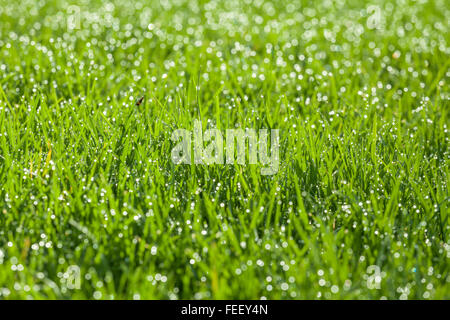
x=358 y=209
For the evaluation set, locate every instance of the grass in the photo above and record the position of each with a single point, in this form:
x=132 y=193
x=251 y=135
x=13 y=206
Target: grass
x=357 y=210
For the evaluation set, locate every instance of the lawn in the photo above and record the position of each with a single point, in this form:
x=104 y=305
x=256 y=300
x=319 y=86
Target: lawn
x=93 y=207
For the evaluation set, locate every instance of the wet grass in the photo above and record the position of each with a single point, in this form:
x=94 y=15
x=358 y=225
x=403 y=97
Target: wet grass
x=357 y=210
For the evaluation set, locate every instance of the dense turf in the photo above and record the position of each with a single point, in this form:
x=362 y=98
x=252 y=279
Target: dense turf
x=358 y=209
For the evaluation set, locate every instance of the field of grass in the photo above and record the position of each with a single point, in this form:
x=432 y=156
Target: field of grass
x=92 y=206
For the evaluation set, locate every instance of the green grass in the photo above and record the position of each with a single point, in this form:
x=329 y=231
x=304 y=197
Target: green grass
x=86 y=177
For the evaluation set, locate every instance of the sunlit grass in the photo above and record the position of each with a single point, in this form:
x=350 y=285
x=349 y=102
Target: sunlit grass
x=358 y=208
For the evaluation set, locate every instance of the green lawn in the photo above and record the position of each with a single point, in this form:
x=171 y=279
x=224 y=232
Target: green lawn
x=359 y=208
